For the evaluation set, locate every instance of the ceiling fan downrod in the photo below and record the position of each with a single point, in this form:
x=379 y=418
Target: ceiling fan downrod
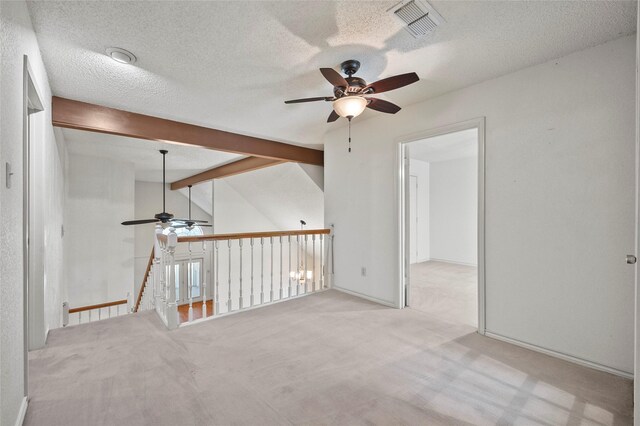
x=164 y=153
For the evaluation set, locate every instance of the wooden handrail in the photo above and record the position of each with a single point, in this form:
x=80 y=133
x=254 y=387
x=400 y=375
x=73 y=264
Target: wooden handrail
x=214 y=237
x=98 y=306
x=144 y=280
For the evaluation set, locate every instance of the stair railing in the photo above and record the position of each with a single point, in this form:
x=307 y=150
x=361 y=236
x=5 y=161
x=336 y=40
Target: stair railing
x=97 y=312
x=240 y=271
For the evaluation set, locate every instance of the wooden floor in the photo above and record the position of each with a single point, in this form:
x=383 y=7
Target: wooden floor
x=323 y=359
x=183 y=311
x=447 y=290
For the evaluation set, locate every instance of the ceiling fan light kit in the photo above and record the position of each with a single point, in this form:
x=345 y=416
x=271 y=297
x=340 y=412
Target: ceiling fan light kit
x=350 y=93
x=349 y=106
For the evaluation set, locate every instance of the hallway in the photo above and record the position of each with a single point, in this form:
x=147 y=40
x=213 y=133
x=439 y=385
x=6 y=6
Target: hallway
x=445 y=290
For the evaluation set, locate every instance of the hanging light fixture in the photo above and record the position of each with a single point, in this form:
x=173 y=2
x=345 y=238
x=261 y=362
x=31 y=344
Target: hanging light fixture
x=349 y=106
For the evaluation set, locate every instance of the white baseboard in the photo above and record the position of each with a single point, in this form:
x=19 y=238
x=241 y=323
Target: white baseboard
x=453 y=262
x=23 y=411
x=364 y=296
x=560 y=355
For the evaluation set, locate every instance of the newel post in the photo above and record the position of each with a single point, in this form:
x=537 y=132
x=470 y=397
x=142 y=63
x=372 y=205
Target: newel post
x=157 y=273
x=172 y=306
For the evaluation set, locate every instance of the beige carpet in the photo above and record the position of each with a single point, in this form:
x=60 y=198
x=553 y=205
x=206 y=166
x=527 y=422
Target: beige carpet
x=445 y=290
x=327 y=358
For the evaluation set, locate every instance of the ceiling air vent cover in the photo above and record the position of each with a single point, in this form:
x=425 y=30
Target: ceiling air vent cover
x=419 y=17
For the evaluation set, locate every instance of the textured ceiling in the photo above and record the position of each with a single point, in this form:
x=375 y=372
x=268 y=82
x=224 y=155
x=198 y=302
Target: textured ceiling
x=182 y=160
x=445 y=147
x=230 y=65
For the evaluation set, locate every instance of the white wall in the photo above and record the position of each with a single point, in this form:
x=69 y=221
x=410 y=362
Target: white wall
x=18 y=39
x=453 y=210
x=559 y=200
x=98 y=249
x=284 y=193
x=234 y=214
x=420 y=169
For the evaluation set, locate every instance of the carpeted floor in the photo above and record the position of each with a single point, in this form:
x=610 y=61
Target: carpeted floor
x=327 y=358
x=446 y=290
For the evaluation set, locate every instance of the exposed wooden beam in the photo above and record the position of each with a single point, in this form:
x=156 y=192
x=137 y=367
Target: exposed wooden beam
x=95 y=118
x=241 y=166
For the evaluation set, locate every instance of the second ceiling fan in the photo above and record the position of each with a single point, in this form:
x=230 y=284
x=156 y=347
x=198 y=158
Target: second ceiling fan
x=351 y=95
x=164 y=217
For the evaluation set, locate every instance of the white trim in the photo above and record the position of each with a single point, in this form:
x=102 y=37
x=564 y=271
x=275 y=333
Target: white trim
x=23 y=411
x=364 y=296
x=476 y=123
x=453 y=262
x=560 y=355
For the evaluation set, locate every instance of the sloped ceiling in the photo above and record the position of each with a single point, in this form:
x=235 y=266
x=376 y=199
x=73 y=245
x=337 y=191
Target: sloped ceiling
x=230 y=65
x=284 y=194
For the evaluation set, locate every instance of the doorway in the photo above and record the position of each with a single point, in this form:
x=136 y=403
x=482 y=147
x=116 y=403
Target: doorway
x=442 y=211
x=188 y=280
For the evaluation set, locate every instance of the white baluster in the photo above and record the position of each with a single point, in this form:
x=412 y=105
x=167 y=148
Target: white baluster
x=290 y=270
x=204 y=284
x=298 y=277
x=251 y=297
x=321 y=261
x=190 y=283
x=216 y=295
x=229 y=304
x=304 y=270
x=280 y=297
x=271 y=267
x=261 y=271
x=313 y=268
x=240 y=300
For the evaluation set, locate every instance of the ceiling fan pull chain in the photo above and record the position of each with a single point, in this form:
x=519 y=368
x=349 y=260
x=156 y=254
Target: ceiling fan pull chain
x=349 y=133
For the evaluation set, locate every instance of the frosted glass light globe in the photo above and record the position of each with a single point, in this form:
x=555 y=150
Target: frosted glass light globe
x=349 y=106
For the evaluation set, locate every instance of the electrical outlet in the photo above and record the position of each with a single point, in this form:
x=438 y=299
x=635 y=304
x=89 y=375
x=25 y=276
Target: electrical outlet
x=363 y=271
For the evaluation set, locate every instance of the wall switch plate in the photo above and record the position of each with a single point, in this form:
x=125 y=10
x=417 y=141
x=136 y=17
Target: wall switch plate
x=8 y=175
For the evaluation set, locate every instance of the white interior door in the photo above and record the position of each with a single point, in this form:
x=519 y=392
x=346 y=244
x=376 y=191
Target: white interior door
x=413 y=218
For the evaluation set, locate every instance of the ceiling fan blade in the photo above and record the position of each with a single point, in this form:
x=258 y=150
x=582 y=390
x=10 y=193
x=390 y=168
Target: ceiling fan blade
x=139 y=222
x=382 y=105
x=188 y=226
x=334 y=77
x=332 y=117
x=299 y=101
x=189 y=220
x=391 y=83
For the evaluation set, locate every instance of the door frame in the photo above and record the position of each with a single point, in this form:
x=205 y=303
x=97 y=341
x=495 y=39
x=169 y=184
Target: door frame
x=403 y=210
x=184 y=284
x=32 y=103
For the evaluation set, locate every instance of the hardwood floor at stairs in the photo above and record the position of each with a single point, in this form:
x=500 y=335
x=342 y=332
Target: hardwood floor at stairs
x=183 y=311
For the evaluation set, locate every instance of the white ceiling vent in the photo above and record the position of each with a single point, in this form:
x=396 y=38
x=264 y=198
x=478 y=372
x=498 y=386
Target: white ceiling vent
x=418 y=16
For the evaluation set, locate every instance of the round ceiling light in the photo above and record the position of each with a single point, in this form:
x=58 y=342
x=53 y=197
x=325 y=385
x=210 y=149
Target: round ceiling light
x=121 y=55
x=349 y=106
